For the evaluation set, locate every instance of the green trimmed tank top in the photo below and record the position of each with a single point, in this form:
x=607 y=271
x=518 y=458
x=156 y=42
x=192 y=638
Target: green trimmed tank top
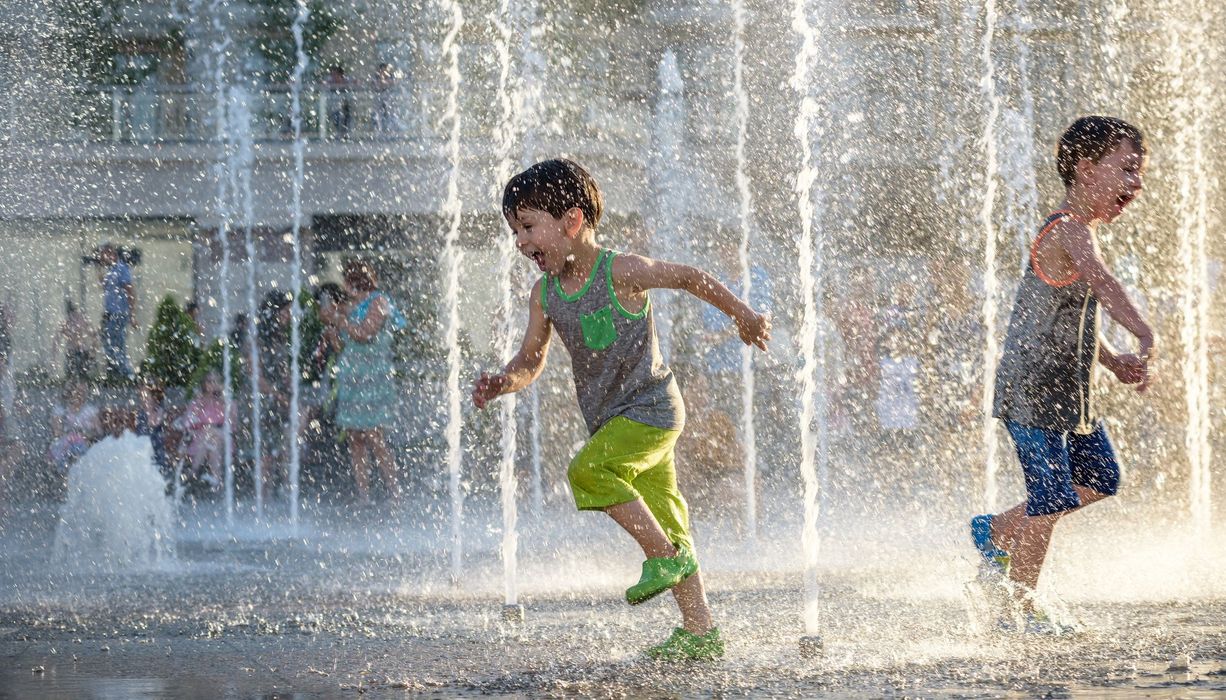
x=1045 y=375
x=614 y=354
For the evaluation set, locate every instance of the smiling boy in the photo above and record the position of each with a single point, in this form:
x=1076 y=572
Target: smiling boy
x=597 y=301
x=1044 y=390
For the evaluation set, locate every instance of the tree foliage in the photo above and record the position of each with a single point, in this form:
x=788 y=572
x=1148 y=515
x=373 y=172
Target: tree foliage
x=276 y=42
x=171 y=354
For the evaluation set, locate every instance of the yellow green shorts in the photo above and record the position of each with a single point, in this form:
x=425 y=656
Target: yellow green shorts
x=626 y=460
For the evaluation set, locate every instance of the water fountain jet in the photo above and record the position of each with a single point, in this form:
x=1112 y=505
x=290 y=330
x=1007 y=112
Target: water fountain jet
x=295 y=325
x=814 y=453
x=451 y=259
x=749 y=438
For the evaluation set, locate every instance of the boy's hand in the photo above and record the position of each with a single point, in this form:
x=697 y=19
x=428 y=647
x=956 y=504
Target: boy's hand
x=755 y=329
x=1130 y=369
x=488 y=388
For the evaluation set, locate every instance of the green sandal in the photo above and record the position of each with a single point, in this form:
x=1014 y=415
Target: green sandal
x=661 y=574
x=687 y=646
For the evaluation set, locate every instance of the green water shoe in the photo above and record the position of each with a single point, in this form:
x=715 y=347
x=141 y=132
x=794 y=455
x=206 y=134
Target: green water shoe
x=661 y=574
x=683 y=645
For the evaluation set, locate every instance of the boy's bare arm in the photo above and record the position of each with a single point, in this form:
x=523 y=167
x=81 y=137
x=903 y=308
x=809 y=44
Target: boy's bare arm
x=1078 y=243
x=639 y=274
x=526 y=366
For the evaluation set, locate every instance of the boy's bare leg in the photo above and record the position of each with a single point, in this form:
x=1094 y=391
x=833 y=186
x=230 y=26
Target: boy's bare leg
x=692 y=601
x=1027 y=538
x=636 y=519
x=1028 y=548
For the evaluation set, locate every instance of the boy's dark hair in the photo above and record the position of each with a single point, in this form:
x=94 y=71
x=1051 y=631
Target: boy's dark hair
x=554 y=186
x=1092 y=138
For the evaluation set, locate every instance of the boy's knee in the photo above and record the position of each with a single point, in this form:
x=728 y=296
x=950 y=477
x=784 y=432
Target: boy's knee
x=597 y=486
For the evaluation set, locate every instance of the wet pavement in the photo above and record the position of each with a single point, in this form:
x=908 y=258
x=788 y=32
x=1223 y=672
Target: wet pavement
x=319 y=616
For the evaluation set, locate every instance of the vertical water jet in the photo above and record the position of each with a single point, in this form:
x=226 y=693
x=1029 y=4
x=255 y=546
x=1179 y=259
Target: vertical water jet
x=295 y=326
x=814 y=452
x=451 y=259
x=749 y=439
x=991 y=290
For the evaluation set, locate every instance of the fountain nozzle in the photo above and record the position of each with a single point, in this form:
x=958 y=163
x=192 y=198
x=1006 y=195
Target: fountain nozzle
x=513 y=614
x=810 y=647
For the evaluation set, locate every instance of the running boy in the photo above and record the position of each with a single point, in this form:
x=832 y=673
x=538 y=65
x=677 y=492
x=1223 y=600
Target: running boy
x=1043 y=383
x=597 y=300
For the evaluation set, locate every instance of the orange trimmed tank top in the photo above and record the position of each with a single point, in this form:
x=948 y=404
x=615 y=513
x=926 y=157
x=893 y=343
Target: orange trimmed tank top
x=1047 y=366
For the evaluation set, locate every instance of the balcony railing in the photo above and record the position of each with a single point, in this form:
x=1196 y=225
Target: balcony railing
x=178 y=114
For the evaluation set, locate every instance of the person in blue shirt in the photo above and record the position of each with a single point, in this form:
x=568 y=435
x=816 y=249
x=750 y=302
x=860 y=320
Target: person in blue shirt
x=118 y=307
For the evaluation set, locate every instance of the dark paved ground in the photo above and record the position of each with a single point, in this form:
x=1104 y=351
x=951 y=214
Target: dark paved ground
x=319 y=616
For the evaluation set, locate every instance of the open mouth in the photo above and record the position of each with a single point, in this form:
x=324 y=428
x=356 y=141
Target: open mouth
x=539 y=258
x=1125 y=199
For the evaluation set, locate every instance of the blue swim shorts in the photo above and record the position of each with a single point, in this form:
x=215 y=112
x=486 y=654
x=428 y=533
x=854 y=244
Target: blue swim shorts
x=1053 y=461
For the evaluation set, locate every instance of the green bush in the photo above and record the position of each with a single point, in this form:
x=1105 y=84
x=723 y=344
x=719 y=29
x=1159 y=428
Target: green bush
x=171 y=354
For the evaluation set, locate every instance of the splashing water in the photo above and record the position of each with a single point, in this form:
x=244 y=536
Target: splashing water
x=813 y=448
x=669 y=184
x=240 y=166
x=451 y=259
x=295 y=330
x=222 y=172
x=508 y=128
x=744 y=213
x=246 y=163
x=1186 y=63
x=115 y=515
x=991 y=287
x=532 y=75
x=1017 y=169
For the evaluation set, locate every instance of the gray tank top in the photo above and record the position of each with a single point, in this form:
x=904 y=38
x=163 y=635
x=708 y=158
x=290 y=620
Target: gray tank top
x=614 y=353
x=1045 y=372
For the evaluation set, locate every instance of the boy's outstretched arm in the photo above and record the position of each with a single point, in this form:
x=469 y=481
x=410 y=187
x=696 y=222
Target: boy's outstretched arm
x=1079 y=244
x=635 y=274
x=526 y=366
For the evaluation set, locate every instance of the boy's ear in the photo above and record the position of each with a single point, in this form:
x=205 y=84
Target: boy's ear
x=1083 y=169
x=573 y=221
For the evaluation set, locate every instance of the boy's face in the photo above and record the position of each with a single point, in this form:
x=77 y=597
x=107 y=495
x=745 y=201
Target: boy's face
x=543 y=239
x=1114 y=181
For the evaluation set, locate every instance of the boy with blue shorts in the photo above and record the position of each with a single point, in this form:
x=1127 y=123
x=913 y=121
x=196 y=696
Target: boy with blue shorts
x=597 y=301
x=1044 y=390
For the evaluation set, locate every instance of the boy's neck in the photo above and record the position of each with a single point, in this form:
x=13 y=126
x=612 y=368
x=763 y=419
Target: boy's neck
x=583 y=256
x=1079 y=209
